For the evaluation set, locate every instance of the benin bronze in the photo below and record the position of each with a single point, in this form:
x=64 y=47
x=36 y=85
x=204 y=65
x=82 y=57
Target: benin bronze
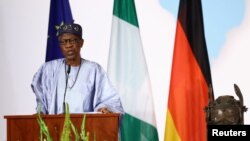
x=226 y=110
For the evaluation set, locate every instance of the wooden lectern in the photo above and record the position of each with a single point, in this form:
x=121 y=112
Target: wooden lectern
x=26 y=127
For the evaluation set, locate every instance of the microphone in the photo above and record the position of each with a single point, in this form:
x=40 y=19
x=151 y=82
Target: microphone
x=68 y=70
x=67 y=78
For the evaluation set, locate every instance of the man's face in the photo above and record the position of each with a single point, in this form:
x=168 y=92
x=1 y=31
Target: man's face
x=70 y=45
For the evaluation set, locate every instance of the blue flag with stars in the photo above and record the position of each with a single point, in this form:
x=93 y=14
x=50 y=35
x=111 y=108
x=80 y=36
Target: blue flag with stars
x=60 y=13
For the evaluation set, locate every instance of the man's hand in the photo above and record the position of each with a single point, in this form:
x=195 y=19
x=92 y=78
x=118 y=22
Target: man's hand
x=104 y=110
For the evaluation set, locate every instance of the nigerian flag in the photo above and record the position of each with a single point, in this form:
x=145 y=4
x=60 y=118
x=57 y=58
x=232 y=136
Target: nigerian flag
x=128 y=71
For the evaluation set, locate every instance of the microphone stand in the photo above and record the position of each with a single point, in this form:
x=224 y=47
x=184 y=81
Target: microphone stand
x=67 y=78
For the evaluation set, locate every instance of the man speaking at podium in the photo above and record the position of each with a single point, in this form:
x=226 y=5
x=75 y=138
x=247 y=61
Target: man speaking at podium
x=81 y=83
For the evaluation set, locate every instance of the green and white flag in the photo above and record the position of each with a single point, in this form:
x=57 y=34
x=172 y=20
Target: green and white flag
x=128 y=71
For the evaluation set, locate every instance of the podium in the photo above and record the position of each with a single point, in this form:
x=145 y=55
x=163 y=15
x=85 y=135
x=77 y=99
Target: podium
x=26 y=127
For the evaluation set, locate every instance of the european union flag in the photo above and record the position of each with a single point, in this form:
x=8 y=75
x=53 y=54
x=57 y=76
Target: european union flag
x=60 y=13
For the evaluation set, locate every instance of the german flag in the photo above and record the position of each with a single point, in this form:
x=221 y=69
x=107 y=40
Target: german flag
x=190 y=77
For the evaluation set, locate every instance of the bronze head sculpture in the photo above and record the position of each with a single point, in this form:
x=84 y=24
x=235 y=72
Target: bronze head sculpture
x=226 y=110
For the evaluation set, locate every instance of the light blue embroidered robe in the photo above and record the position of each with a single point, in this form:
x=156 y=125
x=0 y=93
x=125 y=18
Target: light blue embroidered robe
x=93 y=89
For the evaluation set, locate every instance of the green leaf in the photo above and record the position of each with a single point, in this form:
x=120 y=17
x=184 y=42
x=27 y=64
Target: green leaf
x=77 y=138
x=43 y=128
x=65 y=136
x=84 y=135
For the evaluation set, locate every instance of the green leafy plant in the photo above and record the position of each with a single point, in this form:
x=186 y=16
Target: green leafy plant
x=44 y=130
x=68 y=125
x=65 y=136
